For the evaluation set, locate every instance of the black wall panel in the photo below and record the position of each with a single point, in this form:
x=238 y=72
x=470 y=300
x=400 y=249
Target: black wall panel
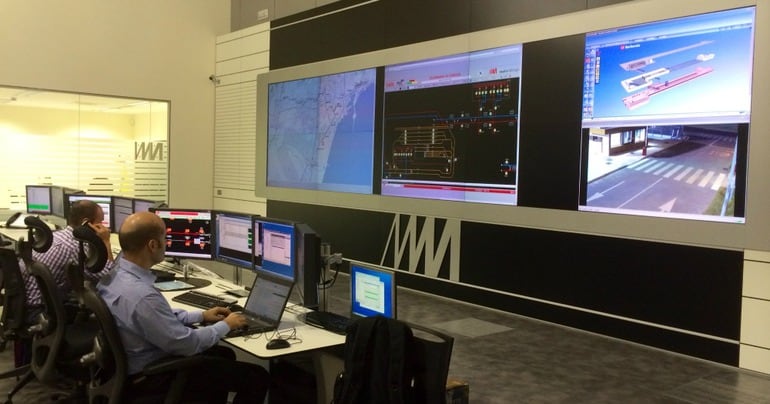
x=550 y=121
x=687 y=287
x=409 y=21
x=296 y=44
x=496 y=13
x=356 y=31
x=691 y=288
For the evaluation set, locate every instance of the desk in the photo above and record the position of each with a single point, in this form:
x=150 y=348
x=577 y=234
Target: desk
x=314 y=340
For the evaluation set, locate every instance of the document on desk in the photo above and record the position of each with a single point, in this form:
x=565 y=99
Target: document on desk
x=172 y=285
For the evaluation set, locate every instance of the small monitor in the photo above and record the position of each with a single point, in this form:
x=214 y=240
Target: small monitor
x=39 y=199
x=104 y=201
x=372 y=291
x=274 y=250
x=188 y=232
x=234 y=238
x=58 y=199
x=122 y=207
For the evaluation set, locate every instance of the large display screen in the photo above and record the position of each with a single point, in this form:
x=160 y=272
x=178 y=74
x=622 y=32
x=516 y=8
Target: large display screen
x=666 y=107
x=451 y=127
x=320 y=132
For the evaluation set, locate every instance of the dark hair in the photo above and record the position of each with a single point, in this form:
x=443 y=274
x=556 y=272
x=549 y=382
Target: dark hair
x=81 y=211
x=135 y=236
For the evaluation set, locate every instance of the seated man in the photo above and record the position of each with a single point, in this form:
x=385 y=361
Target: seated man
x=64 y=251
x=151 y=330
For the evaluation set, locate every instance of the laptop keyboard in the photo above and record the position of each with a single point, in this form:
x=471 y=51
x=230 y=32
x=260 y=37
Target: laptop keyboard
x=329 y=321
x=200 y=300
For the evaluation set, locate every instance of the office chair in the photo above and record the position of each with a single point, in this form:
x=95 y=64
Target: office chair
x=418 y=374
x=108 y=361
x=433 y=352
x=13 y=325
x=57 y=344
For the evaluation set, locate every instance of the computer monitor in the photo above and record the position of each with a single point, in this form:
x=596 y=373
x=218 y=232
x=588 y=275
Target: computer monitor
x=309 y=266
x=372 y=290
x=188 y=232
x=143 y=205
x=39 y=199
x=104 y=201
x=234 y=238
x=122 y=207
x=274 y=250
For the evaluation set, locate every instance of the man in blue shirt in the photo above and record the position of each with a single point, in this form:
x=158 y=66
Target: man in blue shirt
x=151 y=330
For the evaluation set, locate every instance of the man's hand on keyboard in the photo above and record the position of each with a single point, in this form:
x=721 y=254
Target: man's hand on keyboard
x=235 y=320
x=215 y=314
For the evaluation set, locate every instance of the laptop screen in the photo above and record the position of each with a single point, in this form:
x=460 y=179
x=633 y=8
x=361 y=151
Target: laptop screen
x=268 y=297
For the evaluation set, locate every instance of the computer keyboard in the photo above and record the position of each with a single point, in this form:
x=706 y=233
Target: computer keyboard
x=329 y=321
x=201 y=300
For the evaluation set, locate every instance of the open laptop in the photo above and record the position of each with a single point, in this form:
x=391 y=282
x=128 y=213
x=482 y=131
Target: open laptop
x=265 y=305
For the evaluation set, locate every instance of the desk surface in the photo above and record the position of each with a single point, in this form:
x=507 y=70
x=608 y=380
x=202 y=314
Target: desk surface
x=306 y=337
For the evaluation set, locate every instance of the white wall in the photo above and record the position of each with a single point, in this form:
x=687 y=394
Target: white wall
x=140 y=49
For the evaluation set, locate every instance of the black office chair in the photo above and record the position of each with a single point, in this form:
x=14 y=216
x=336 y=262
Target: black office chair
x=109 y=364
x=433 y=352
x=370 y=346
x=57 y=344
x=13 y=325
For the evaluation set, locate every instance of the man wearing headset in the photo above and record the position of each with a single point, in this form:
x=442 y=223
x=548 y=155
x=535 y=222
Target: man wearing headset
x=64 y=250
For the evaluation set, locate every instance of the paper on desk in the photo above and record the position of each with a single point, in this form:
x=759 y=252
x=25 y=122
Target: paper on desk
x=172 y=285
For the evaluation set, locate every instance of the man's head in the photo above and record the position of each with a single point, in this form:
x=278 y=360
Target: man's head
x=143 y=239
x=85 y=211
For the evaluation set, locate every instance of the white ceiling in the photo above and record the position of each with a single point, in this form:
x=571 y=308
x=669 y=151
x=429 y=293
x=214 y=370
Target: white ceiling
x=23 y=97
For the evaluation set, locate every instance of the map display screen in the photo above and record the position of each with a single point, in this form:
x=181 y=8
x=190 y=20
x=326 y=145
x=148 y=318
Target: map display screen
x=321 y=132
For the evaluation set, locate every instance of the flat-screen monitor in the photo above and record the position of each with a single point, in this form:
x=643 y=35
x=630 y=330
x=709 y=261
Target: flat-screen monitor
x=320 y=132
x=188 y=232
x=372 y=290
x=666 y=110
x=104 y=201
x=451 y=127
x=143 y=205
x=122 y=207
x=39 y=199
x=234 y=238
x=274 y=250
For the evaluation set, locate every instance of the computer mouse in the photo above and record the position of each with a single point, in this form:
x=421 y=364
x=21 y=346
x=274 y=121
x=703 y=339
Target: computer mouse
x=277 y=343
x=235 y=308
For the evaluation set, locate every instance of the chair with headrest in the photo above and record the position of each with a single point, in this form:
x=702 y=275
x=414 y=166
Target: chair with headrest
x=433 y=352
x=109 y=363
x=57 y=344
x=13 y=324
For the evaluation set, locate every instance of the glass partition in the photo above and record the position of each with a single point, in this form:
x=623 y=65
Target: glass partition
x=99 y=144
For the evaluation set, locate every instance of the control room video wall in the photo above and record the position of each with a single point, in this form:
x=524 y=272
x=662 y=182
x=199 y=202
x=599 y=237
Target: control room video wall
x=649 y=119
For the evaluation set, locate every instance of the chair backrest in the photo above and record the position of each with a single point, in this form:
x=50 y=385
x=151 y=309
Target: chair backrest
x=13 y=318
x=433 y=353
x=108 y=361
x=48 y=333
x=385 y=362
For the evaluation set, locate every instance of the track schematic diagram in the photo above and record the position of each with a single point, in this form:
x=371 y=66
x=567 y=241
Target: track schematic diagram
x=436 y=143
x=650 y=83
x=181 y=232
